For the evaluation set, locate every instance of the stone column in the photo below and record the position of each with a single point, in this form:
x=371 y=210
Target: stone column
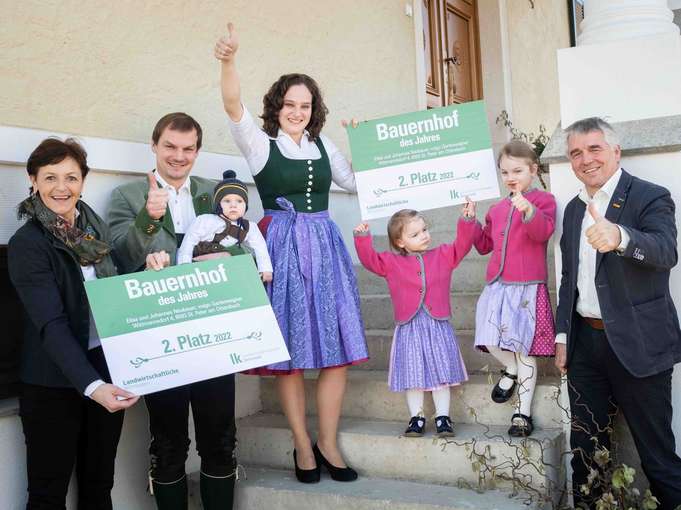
x=613 y=20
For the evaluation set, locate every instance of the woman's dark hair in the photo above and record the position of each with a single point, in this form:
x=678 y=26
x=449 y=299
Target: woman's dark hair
x=52 y=151
x=274 y=101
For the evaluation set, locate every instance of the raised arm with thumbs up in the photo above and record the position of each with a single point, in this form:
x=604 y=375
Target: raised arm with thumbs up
x=157 y=199
x=225 y=51
x=603 y=235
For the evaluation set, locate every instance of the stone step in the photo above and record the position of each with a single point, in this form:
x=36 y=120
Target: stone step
x=367 y=396
x=469 y=276
x=377 y=310
x=278 y=489
x=479 y=456
x=380 y=341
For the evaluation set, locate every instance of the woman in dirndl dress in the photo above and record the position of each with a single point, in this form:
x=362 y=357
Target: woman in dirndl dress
x=314 y=289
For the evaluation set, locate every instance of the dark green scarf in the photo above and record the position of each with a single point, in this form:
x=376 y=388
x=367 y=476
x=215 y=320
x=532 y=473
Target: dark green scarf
x=83 y=240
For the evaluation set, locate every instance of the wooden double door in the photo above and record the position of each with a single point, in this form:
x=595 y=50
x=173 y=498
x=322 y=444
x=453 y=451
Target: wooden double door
x=451 y=49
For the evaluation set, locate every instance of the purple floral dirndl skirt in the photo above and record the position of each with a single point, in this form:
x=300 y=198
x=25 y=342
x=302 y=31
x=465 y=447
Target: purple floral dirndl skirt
x=425 y=355
x=515 y=318
x=314 y=291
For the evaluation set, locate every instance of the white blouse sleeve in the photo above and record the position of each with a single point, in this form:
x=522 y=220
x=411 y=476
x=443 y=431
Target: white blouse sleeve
x=199 y=230
x=251 y=140
x=255 y=241
x=341 y=170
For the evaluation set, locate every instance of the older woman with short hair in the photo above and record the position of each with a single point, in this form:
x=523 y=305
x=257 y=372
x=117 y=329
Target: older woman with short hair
x=70 y=412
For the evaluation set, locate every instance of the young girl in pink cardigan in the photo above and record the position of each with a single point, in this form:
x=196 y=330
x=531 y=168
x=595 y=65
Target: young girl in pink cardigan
x=513 y=319
x=425 y=354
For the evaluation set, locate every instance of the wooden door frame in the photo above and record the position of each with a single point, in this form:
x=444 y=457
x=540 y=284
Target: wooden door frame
x=476 y=74
x=435 y=94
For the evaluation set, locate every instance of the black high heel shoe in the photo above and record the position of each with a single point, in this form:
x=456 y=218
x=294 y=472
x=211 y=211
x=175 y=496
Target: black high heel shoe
x=346 y=474
x=307 y=475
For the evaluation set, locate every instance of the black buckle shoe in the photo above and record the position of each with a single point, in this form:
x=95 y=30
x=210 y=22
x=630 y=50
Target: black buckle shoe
x=306 y=475
x=416 y=427
x=500 y=396
x=521 y=429
x=443 y=426
x=346 y=474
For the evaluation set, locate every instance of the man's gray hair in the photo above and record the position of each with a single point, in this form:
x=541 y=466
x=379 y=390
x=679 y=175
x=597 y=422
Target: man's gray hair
x=590 y=124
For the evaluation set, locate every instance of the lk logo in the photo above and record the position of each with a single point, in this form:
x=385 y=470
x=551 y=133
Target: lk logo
x=235 y=358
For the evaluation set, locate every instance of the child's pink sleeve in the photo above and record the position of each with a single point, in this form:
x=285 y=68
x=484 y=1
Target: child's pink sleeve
x=483 y=240
x=373 y=261
x=542 y=223
x=466 y=233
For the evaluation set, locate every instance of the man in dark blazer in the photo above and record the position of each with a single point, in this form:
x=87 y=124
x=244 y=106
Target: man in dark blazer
x=616 y=313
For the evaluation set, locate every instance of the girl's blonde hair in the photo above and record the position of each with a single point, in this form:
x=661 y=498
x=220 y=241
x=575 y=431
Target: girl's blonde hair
x=521 y=150
x=396 y=226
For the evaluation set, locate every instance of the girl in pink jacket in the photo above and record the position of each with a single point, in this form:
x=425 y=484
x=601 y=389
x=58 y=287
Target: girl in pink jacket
x=513 y=319
x=425 y=354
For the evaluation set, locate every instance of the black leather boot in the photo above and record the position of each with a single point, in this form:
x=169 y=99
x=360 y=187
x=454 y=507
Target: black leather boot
x=217 y=492
x=171 y=495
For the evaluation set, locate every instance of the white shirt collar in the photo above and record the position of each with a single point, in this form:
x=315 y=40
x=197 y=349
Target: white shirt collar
x=164 y=184
x=282 y=134
x=608 y=188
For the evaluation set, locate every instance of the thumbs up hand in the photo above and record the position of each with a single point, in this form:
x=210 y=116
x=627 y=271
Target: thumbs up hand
x=603 y=235
x=227 y=45
x=522 y=204
x=157 y=199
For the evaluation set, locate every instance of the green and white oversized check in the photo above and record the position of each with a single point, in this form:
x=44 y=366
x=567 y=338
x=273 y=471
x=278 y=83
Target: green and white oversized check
x=423 y=160
x=187 y=323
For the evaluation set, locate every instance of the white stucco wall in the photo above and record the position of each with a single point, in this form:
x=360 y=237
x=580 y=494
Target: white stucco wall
x=534 y=35
x=111 y=69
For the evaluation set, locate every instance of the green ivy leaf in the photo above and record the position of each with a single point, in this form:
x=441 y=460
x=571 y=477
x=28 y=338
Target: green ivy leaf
x=623 y=476
x=649 y=502
x=602 y=457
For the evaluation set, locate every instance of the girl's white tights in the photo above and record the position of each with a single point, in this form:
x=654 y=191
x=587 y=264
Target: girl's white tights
x=525 y=367
x=415 y=402
x=441 y=398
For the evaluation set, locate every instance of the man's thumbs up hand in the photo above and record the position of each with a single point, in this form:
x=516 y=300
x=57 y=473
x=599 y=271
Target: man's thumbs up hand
x=157 y=199
x=603 y=235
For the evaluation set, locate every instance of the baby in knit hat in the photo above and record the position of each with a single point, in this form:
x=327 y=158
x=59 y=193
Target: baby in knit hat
x=226 y=231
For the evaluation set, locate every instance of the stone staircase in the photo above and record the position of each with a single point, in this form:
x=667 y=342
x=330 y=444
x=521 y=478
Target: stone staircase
x=410 y=473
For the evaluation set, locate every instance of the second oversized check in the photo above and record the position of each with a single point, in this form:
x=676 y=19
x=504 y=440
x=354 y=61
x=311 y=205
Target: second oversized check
x=423 y=160
x=187 y=323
